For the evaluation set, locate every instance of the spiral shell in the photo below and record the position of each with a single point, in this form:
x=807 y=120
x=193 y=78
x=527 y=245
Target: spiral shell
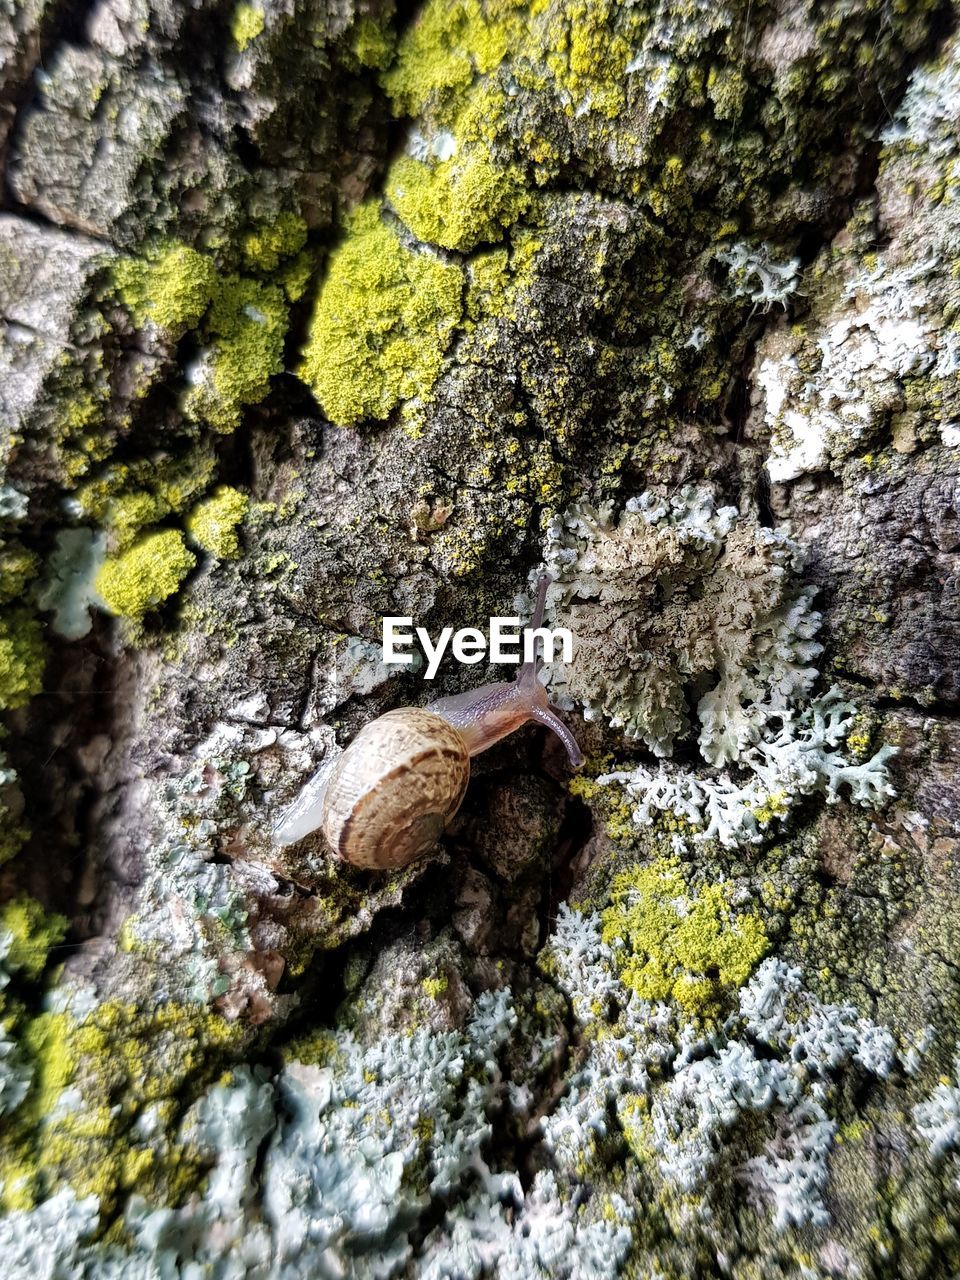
x=395 y=788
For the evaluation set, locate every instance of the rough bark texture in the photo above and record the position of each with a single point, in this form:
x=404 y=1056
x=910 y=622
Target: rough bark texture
x=312 y=312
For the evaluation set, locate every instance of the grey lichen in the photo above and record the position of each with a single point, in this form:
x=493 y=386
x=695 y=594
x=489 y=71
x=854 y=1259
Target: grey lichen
x=882 y=349
x=680 y=602
x=678 y=1095
x=678 y=599
x=617 y=198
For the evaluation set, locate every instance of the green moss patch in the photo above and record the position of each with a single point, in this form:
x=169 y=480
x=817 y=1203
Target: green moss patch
x=247 y=325
x=458 y=203
x=674 y=944
x=212 y=524
x=22 y=657
x=170 y=287
x=246 y=24
x=143 y=577
x=383 y=319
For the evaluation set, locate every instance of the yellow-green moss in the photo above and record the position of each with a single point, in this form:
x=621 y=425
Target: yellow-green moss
x=246 y=24
x=45 y=1039
x=458 y=203
x=145 y=575
x=692 y=948
x=312 y=1048
x=128 y=497
x=32 y=932
x=265 y=247
x=172 y=286
x=212 y=524
x=129 y=513
x=13 y=834
x=582 y=46
x=588 y=56
x=371 y=43
x=296 y=274
x=382 y=322
x=121 y=1059
x=22 y=657
x=490 y=283
x=247 y=324
x=434 y=56
x=18 y=566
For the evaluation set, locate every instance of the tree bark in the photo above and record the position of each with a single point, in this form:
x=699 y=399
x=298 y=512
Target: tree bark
x=316 y=312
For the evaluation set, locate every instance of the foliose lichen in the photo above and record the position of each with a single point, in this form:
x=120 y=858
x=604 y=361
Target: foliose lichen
x=801 y=755
x=680 y=602
x=677 y=1095
x=879 y=355
x=674 y=599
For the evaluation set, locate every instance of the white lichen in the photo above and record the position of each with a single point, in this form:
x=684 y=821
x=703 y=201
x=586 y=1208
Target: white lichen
x=781 y=1056
x=676 y=600
x=937 y=1120
x=68 y=585
x=681 y=602
x=799 y=754
x=886 y=343
x=755 y=273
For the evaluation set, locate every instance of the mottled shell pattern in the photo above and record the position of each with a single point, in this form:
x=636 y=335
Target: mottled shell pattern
x=395 y=788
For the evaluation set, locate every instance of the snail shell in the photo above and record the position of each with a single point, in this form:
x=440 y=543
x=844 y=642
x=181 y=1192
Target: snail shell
x=395 y=788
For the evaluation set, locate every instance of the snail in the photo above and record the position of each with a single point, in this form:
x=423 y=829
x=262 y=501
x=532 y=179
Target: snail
x=389 y=796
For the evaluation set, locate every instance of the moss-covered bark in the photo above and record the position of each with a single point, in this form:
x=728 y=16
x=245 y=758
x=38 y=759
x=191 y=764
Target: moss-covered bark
x=314 y=313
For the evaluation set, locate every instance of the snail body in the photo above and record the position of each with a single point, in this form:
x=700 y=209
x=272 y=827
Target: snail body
x=388 y=797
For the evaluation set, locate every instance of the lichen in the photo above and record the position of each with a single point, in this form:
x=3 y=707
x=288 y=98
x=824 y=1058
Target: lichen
x=372 y=42
x=67 y=589
x=679 y=1097
x=803 y=756
x=457 y=203
x=127 y=497
x=578 y=51
x=13 y=831
x=246 y=23
x=212 y=524
x=937 y=1118
x=878 y=355
x=22 y=657
x=272 y=241
x=146 y=575
x=171 y=286
x=675 y=599
x=755 y=273
x=122 y=1063
x=383 y=319
x=680 y=602
x=18 y=567
x=29 y=934
x=671 y=943
x=246 y=327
